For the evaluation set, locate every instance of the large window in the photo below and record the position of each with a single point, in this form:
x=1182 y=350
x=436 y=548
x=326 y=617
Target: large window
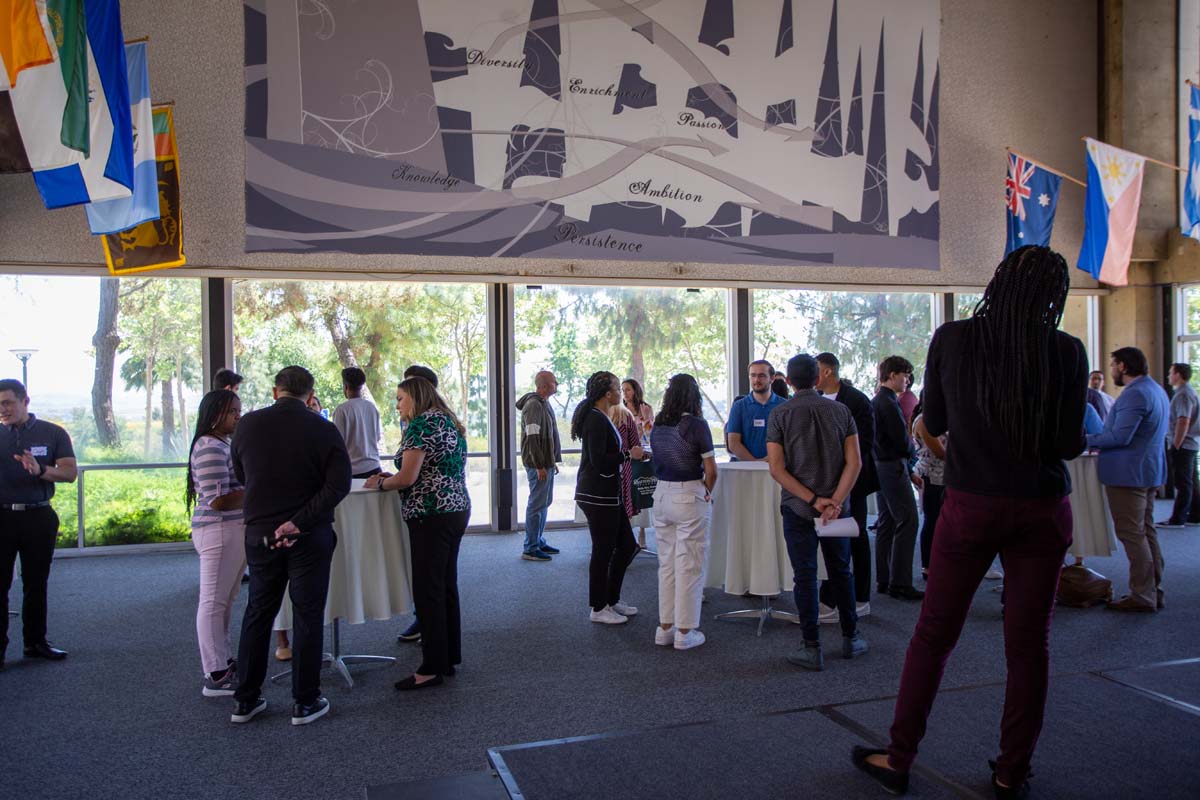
x=382 y=327
x=645 y=333
x=1187 y=328
x=860 y=328
x=1080 y=318
x=117 y=362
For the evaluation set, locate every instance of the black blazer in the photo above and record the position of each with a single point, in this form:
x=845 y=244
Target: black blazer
x=864 y=419
x=599 y=479
x=293 y=464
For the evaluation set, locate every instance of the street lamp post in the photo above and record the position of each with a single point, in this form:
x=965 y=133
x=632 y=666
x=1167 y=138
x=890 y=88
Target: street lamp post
x=24 y=354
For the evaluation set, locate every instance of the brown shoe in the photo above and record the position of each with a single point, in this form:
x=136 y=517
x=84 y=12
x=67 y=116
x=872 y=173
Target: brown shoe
x=1128 y=603
x=283 y=654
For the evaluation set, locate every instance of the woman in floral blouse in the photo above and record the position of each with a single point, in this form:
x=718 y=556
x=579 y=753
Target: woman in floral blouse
x=432 y=472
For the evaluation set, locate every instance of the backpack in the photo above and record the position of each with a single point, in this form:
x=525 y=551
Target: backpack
x=1080 y=587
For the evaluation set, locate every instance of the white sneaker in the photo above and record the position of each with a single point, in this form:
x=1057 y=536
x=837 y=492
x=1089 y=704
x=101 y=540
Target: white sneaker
x=993 y=575
x=664 y=638
x=686 y=641
x=624 y=610
x=863 y=609
x=607 y=616
x=828 y=615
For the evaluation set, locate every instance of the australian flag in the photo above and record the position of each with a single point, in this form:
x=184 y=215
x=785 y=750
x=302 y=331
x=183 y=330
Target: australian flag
x=1031 y=195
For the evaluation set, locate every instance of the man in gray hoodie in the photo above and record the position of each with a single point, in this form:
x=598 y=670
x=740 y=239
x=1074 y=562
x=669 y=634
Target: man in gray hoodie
x=541 y=452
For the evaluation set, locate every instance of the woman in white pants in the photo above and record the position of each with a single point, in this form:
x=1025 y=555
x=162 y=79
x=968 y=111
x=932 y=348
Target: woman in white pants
x=217 y=534
x=686 y=469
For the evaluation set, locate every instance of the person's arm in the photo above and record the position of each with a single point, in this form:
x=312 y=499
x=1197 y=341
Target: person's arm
x=777 y=463
x=334 y=486
x=63 y=470
x=832 y=509
x=733 y=435
x=235 y=455
x=1122 y=423
x=1071 y=437
x=340 y=419
x=410 y=469
x=710 y=473
x=933 y=399
x=932 y=442
x=535 y=445
x=597 y=440
x=891 y=430
x=1181 y=429
x=733 y=442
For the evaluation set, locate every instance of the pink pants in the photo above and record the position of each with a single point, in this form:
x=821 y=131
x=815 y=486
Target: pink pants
x=222 y=549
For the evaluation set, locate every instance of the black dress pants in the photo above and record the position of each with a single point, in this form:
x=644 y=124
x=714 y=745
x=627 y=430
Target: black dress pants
x=31 y=535
x=434 y=543
x=1183 y=467
x=860 y=556
x=302 y=570
x=613 y=548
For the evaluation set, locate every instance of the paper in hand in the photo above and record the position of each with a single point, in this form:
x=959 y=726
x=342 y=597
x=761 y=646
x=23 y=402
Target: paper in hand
x=844 y=527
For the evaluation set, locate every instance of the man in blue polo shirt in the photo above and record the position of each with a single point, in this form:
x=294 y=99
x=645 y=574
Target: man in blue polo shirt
x=34 y=455
x=746 y=430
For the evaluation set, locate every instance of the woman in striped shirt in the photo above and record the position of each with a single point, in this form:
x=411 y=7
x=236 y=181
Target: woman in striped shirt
x=217 y=534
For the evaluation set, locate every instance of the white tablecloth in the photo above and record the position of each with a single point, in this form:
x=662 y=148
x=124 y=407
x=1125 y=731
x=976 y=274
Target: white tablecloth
x=371 y=573
x=747 y=552
x=1094 y=533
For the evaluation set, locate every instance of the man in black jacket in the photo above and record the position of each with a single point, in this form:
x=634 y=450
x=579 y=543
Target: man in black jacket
x=896 y=537
x=295 y=468
x=831 y=384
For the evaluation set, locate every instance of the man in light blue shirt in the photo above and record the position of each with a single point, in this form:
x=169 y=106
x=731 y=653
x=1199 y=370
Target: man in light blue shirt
x=1132 y=465
x=746 y=430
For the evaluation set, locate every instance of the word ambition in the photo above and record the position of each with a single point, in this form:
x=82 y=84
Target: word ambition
x=667 y=192
x=569 y=232
x=404 y=172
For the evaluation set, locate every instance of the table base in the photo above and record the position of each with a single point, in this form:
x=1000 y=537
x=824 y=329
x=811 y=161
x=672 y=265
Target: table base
x=762 y=614
x=339 y=661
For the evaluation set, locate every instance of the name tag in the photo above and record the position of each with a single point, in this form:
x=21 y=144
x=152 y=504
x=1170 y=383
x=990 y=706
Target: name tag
x=40 y=450
x=760 y=423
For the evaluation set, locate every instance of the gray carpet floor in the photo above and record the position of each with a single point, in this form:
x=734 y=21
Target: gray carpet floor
x=123 y=716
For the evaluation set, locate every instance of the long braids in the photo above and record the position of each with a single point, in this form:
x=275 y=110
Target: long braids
x=1010 y=336
x=598 y=385
x=213 y=408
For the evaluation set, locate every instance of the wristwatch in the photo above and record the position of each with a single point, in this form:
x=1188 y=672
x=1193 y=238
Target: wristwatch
x=43 y=472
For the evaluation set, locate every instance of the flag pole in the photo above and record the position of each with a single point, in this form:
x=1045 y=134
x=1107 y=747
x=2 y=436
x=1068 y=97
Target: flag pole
x=139 y=39
x=1049 y=169
x=1147 y=158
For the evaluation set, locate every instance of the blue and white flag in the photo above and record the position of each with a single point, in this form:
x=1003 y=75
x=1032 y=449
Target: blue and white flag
x=1191 y=192
x=1031 y=195
x=111 y=216
x=108 y=171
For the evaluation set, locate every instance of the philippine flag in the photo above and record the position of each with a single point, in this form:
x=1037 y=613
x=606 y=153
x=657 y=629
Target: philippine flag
x=1114 y=191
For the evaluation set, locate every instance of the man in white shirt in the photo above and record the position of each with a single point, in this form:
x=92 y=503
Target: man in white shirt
x=357 y=420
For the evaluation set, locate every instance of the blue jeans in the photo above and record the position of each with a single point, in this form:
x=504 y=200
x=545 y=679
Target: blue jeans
x=802 y=542
x=541 y=495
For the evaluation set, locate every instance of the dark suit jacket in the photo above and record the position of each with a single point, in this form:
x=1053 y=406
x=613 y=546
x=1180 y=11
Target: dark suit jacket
x=864 y=419
x=294 y=466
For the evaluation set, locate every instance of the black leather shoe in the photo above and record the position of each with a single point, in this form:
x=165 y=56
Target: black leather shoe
x=44 y=650
x=881 y=588
x=893 y=782
x=410 y=683
x=906 y=593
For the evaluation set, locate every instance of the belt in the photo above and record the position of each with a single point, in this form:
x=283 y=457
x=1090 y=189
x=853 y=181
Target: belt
x=23 y=506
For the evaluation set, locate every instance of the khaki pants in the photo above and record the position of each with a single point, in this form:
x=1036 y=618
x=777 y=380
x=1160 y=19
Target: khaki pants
x=1133 y=517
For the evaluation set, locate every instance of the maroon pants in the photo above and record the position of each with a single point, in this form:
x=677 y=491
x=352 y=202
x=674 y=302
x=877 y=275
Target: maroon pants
x=1032 y=536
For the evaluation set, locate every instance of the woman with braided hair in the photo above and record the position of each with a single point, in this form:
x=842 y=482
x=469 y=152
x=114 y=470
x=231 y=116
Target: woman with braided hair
x=598 y=493
x=1012 y=387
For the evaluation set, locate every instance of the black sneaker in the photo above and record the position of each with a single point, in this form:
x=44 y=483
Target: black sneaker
x=411 y=634
x=536 y=555
x=551 y=550
x=304 y=714
x=245 y=711
x=1018 y=792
